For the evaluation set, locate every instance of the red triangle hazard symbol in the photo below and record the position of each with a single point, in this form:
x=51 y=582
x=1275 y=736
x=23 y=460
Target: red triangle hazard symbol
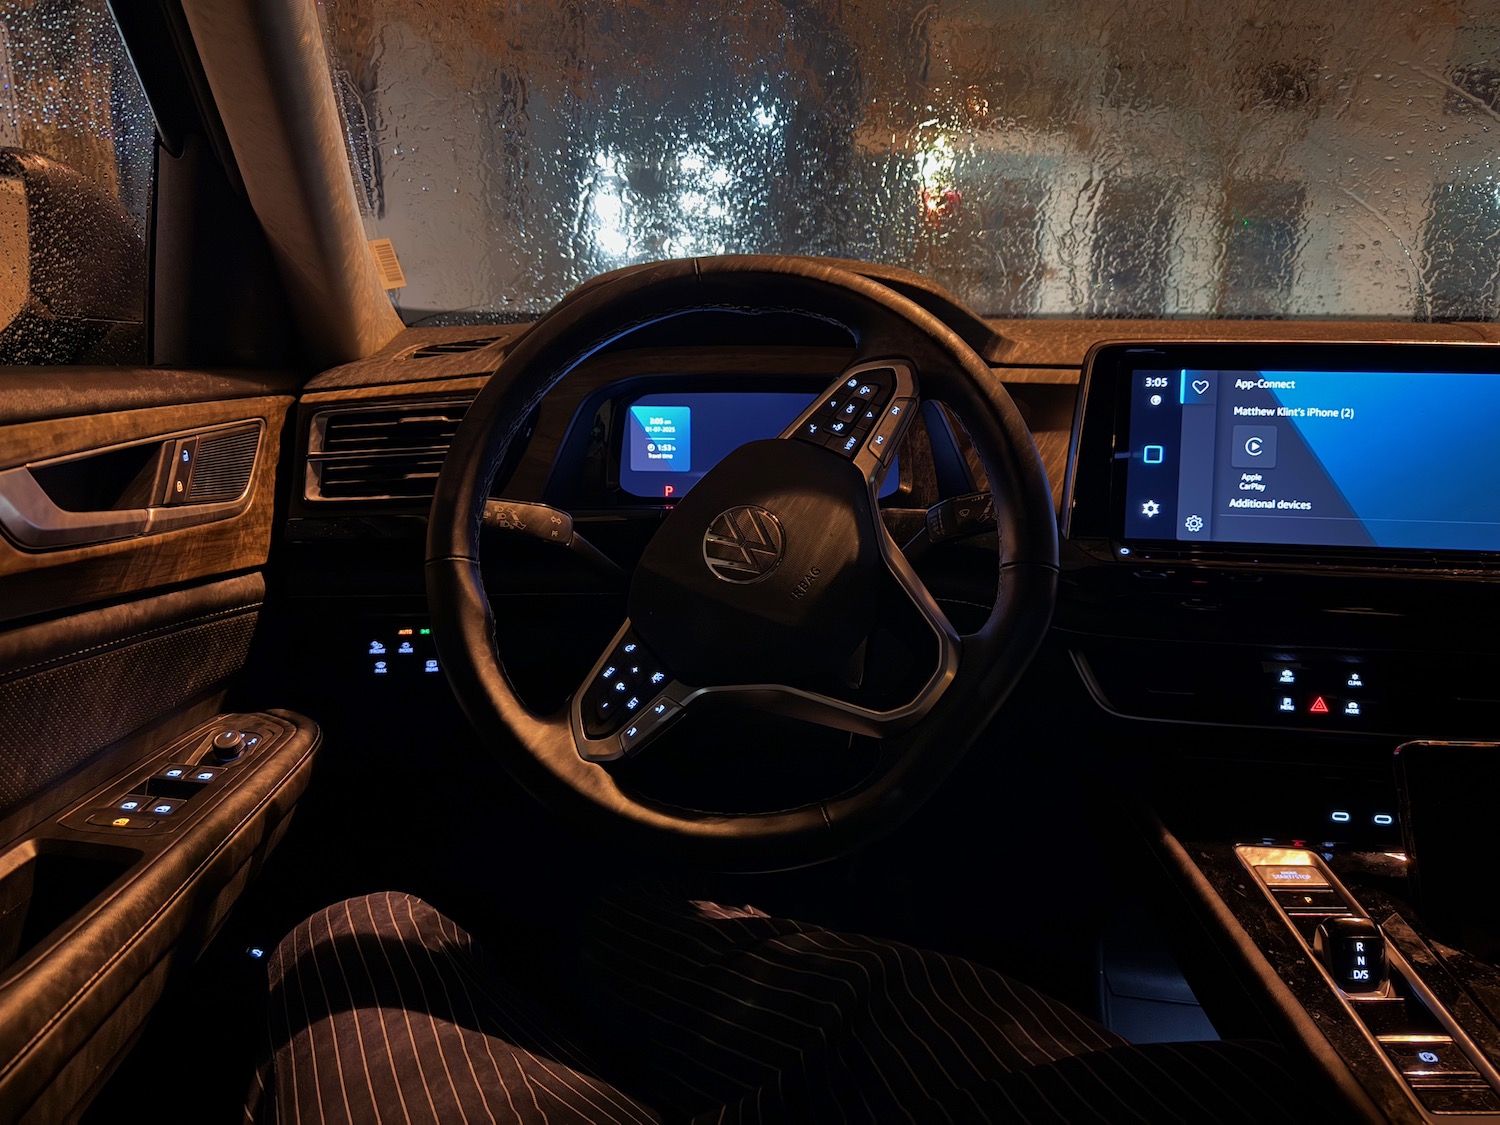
x=1319 y=707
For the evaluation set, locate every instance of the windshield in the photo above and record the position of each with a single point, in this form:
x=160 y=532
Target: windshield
x=1236 y=159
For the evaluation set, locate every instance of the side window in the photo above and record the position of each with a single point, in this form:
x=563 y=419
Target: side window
x=76 y=157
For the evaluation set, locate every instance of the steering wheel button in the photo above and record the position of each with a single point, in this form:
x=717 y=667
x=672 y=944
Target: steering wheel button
x=608 y=672
x=632 y=703
x=657 y=677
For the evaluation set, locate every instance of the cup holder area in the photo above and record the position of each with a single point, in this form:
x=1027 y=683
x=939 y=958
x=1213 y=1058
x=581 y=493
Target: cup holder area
x=43 y=883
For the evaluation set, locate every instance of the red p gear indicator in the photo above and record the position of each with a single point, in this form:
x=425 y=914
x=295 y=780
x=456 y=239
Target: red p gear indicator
x=1318 y=707
x=667 y=490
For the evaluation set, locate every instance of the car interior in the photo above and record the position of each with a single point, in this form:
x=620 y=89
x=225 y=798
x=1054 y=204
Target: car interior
x=1012 y=479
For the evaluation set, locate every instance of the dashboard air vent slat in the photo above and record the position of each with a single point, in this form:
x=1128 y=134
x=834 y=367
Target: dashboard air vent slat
x=380 y=452
x=452 y=347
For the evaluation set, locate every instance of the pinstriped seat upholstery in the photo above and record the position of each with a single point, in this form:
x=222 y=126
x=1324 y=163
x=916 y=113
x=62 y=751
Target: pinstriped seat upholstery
x=384 y=1010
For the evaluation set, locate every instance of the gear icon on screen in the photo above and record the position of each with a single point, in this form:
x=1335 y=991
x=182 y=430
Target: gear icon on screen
x=1150 y=508
x=1193 y=523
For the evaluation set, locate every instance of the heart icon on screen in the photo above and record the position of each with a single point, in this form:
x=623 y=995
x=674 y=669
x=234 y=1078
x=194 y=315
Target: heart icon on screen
x=1200 y=386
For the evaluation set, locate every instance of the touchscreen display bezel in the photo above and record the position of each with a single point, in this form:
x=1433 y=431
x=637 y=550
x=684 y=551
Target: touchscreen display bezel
x=1096 y=486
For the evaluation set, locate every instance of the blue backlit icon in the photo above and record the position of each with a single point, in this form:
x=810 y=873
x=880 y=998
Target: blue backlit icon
x=631 y=647
x=406 y=649
x=162 y=810
x=1384 y=819
x=1354 y=680
x=1428 y=1057
x=175 y=771
x=1352 y=707
x=377 y=649
x=130 y=806
x=1339 y=817
x=430 y=666
x=1153 y=455
x=1287 y=704
x=380 y=667
x=1288 y=676
x=206 y=775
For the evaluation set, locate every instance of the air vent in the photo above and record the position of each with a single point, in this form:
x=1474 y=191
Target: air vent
x=452 y=347
x=380 y=452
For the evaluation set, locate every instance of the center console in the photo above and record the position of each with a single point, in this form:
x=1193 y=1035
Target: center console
x=1291 y=547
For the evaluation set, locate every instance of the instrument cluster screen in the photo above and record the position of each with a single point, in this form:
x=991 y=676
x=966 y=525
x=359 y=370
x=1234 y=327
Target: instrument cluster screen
x=672 y=440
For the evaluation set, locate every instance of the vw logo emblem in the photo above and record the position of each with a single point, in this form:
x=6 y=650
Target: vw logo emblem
x=743 y=544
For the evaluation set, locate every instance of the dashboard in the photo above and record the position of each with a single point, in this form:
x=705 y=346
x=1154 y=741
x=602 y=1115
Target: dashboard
x=1349 y=506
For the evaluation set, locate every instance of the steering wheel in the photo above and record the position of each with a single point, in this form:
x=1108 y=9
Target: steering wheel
x=773 y=569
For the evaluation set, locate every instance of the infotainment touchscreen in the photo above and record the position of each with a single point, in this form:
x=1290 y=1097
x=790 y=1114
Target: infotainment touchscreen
x=672 y=440
x=1375 y=458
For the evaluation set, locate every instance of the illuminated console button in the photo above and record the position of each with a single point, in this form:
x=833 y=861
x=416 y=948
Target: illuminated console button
x=1309 y=900
x=1291 y=875
x=1429 y=1058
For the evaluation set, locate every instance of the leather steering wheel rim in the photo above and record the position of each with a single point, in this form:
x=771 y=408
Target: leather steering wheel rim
x=540 y=752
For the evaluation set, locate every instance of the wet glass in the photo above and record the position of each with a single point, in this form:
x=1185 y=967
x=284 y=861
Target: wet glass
x=76 y=152
x=1037 y=157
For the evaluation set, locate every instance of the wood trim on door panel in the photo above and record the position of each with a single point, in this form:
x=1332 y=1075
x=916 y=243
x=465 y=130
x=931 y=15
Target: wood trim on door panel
x=35 y=582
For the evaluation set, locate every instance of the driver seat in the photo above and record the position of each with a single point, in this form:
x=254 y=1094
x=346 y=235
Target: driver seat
x=384 y=1009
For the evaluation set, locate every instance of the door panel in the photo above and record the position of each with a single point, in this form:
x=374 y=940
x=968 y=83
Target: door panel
x=236 y=538
x=71 y=687
x=115 y=658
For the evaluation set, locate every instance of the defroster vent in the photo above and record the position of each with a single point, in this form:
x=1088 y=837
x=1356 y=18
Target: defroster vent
x=380 y=452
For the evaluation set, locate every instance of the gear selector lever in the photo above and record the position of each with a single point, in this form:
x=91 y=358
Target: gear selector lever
x=1353 y=951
